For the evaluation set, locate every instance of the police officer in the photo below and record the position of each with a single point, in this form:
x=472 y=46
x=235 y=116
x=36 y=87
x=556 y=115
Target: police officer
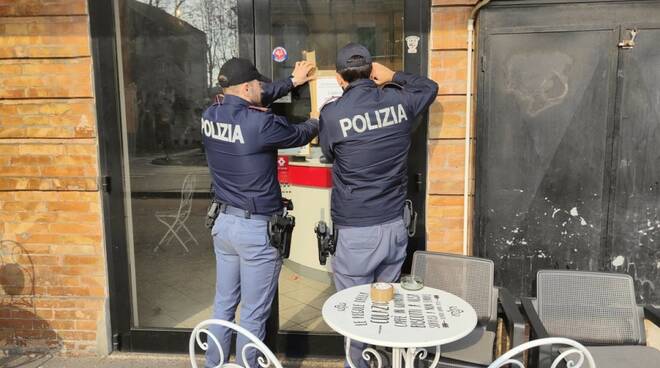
x=241 y=139
x=366 y=132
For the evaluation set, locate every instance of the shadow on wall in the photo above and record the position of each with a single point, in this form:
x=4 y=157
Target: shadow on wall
x=25 y=338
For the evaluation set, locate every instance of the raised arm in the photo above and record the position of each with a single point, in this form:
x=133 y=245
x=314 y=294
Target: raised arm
x=277 y=132
x=275 y=90
x=325 y=140
x=420 y=91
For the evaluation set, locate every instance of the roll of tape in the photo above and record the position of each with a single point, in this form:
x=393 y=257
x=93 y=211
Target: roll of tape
x=381 y=292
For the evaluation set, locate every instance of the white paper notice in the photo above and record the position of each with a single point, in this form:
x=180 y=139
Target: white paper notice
x=326 y=88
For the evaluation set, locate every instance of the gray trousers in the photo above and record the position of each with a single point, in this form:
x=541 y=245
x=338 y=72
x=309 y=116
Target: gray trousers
x=247 y=270
x=365 y=255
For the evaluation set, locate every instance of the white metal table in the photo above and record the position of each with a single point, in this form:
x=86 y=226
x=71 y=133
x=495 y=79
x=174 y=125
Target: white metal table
x=411 y=322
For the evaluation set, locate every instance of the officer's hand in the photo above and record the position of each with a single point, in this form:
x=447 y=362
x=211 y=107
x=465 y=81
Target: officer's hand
x=381 y=74
x=302 y=73
x=314 y=115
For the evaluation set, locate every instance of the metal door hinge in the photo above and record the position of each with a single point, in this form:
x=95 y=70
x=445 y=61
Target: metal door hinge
x=105 y=183
x=629 y=43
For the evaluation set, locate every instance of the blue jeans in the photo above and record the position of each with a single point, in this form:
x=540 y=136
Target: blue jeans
x=247 y=270
x=365 y=255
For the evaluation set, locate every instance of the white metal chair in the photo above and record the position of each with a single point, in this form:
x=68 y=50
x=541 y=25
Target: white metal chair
x=265 y=361
x=176 y=221
x=574 y=351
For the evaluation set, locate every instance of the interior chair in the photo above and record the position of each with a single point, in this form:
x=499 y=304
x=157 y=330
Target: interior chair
x=267 y=359
x=596 y=309
x=471 y=279
x=175 y=221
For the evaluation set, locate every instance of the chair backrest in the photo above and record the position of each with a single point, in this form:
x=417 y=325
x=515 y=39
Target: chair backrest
x=269 y=359
x=591 y=307
x=469 y=278
x=187 y=191
x=576 y=354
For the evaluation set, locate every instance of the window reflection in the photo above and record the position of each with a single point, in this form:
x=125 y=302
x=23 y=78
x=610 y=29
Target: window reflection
x=170 y=56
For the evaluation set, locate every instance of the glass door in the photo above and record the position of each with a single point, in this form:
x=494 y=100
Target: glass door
x=293 y=31
x=168 y=59
x=149 y=101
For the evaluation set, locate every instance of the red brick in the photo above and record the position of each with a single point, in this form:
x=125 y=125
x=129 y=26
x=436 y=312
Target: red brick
x=447 y=117
x=77 y=335
x=449 y=27
x=72 y=228
x=41 y=149
x=86 y=325
x=62 y=249
x=8 y=149
x=82 y=260
x=17 y=323
x=42 y=7
x=66 y=36
x=76 y=291
x=70 y=206
x=38 y=217
x=54 y=78
x=30 y=160
x=449 y=70
x=76 y=270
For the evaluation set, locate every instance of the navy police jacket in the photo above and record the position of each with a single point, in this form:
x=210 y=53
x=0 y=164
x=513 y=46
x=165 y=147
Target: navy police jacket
x=366 y=132
x=241 y=143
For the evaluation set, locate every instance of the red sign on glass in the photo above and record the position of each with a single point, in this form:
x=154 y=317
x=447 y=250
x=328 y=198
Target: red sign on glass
x=283 y=169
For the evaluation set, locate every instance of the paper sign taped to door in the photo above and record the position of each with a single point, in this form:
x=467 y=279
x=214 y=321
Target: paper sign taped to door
x=327 y=89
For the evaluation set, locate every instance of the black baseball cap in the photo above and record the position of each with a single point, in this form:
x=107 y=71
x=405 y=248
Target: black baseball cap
x=236 y=71
x=353 y=55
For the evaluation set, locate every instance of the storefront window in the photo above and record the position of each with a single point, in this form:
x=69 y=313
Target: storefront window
x=170 y=52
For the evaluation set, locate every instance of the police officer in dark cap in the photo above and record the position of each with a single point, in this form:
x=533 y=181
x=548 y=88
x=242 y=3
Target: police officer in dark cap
x=241 y=139
x=366 y=132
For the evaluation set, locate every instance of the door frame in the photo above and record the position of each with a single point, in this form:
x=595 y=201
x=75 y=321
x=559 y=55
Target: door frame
x=106 y=69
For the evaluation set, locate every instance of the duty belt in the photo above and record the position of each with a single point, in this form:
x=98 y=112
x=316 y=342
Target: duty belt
x=217 y=207
x=239 y=212
x=280 y=225
x=326 y=238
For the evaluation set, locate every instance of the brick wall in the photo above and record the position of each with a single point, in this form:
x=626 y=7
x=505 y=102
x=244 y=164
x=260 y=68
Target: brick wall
x=448 y=67
x=53 y=276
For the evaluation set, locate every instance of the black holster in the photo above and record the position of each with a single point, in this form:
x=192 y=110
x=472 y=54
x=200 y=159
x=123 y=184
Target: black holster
x=280 y=229
x=326 y=240
x=409 y=217
x=212 y=213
